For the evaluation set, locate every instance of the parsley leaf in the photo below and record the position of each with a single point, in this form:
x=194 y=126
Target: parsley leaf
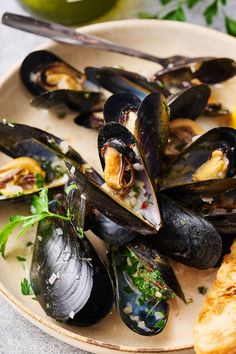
x=210 y=12
x=223 y=2
x=176 y=15
x=70 y=187
x=39 y=210
x=26 y=287
x=40 y=180
x=230 y=25
x=80 y=232
x=192 y=3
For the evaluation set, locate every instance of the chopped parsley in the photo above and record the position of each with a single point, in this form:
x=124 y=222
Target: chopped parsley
x=80 y=232
x=202 y=290
x=21 y=259
x=70 y=187
x=190 y=300
x=150 y=283
x=39 y=211
x=40 y=180
x=29 y=244
x=160 y=324
x=26 y=288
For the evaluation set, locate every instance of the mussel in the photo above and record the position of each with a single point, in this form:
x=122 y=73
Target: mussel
x=126 y=174
x=68 y=278
x=209 y=72
x=37 y=161
x=121 y=81
x=147 y=121
x=186 y=236
x=142 y=306
x=57 y=85
x=212 y=156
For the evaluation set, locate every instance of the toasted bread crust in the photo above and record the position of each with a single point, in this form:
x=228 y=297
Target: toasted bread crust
x=215 y=329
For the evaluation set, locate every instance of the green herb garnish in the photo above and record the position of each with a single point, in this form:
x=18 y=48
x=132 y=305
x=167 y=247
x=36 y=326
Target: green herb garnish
x=202 y=290
x=70 y=187
x=160 y=324
x=40 y=180
x=147 y=280
x=80 y=232
x=176 y=10
x=29 y=244
x=26 y=287
x=21 y=259
x=39 y=210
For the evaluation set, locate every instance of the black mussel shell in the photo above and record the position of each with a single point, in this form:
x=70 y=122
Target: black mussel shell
x=189 y=103
x=118 y=107
x=120 y=81
x=224 y=222
x=64 y=100
x=92 y=120
x=148 y=255
x=216 y=70
x=144 y=316
x=195 y=195
x=210 y=72
x=187 y=237
x=33 y=68
x=77 y=205
x=181 y=170
x=68 y=278
x=106 y=204
x=14 y=135
x=152 y=131
x=119 y=137
x=112 y=233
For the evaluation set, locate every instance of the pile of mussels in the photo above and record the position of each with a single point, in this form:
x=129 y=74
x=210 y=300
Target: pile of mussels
x=163 y=194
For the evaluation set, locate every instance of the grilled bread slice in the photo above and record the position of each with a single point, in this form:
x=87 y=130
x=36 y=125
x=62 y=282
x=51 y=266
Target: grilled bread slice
x=215 y=329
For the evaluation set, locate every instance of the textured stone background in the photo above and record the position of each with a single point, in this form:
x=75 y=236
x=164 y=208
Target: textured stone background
x=17 y=335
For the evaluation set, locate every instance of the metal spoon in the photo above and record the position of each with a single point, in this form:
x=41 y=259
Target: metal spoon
x=70 y=36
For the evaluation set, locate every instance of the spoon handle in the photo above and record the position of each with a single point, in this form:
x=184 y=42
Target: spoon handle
x=70 y=36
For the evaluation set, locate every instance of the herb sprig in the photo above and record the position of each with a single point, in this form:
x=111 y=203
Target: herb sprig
x=39 y=211
x=175 y=10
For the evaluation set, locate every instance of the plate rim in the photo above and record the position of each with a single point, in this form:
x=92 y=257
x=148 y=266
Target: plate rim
x=30 y=315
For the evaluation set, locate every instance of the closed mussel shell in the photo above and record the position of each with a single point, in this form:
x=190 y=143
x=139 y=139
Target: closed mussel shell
x=68 y=278
x=186 y=236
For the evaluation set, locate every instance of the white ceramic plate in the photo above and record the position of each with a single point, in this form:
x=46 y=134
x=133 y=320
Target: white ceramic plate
x=160 y=38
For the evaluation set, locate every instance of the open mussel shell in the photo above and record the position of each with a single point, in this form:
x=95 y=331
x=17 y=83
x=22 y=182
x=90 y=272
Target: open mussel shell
x=120 y=81
x=106 y=204
x=33 y=72
x=69 y=280
x=189 y=103
x=183 y=168
x=210 y=72
x=145 y=316
x=148 y=121
x=119 y=153
x=186 y=236
x=148 y=255
x=14 y=135
x=119 y=107
x=66 y=100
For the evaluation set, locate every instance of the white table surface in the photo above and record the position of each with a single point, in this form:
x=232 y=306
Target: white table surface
x=17 y=335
